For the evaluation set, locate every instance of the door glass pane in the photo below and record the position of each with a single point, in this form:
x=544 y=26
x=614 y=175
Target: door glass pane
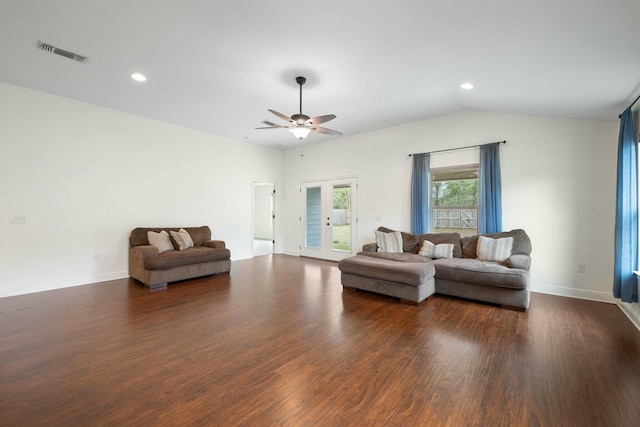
x=313 y=226
x=341 y=220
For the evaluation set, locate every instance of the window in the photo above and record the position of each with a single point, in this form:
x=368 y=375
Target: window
x=454 y=196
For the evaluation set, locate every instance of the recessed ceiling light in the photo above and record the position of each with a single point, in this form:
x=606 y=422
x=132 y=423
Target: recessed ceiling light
x=466 y=85
x=138 y=77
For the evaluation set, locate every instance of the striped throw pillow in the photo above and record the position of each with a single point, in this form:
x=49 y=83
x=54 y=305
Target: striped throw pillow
x=498 y=250
x=431 y=250
x=389 y=242
x=182 y=238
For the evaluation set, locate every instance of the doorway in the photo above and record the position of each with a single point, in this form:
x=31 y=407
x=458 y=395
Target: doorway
x=263 y=218
x=328 y=218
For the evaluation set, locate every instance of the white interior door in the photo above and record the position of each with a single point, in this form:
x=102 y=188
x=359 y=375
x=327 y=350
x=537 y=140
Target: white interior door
x=328 y=220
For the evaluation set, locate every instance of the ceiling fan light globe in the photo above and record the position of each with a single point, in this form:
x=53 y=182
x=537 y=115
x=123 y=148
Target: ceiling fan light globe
x=300 y=132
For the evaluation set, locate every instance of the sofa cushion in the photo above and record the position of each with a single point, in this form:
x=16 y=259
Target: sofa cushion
x=195 y=255
x=521 y=243
x=199 y=235
x=443 y=250
x=160 y=240
x=403 y=257
x=481 y=273
x=409 y=273
x=498 y=250
x=389 y=242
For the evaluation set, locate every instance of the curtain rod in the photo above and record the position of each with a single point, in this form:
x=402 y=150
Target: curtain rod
x=460 y=148
x=632 y=104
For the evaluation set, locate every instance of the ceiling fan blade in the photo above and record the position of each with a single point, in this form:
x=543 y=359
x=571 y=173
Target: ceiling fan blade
x=274 y=127
x=321 y=119
x=325 y=130
x=282 y=116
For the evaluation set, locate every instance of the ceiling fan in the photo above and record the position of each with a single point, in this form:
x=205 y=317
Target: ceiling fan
x=300 y=125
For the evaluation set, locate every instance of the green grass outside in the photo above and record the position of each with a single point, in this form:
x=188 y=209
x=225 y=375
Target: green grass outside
x=342 y=237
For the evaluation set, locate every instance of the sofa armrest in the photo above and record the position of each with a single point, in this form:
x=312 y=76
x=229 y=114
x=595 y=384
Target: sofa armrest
x=137 y=255
x=370 y=247
x=215 y=244
x=142 y=252
x=520 y=261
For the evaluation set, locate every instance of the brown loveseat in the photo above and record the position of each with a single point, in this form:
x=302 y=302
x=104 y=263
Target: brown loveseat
x=413 y=278
x=156 y=269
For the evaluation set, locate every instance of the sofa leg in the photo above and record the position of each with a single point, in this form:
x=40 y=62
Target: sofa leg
x=156 y=287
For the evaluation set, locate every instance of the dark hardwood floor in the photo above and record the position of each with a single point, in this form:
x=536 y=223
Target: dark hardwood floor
x=279 y=343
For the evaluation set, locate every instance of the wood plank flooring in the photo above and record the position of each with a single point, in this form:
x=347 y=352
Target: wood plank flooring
x=279 y=343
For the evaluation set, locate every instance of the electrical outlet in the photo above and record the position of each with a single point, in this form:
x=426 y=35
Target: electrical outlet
x=582 y=268
x=378 y=218
x=96 y=258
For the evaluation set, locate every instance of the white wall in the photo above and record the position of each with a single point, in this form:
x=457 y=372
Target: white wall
x=84 y=176
x=558 y=179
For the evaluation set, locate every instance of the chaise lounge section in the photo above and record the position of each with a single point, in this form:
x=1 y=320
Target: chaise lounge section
x=407 y=276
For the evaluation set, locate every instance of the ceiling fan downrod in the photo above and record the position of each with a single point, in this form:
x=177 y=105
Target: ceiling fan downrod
x=301 y=80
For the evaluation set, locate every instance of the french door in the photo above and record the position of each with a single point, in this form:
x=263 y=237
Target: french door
x=328 y=219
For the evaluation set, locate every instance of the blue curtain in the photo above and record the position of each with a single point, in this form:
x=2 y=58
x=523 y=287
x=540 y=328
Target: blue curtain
x=490 y=194
x=421 y=194
x=626 y=238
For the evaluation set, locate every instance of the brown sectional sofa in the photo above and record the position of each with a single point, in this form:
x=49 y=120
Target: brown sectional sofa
x=156 y=270
x=413 y=278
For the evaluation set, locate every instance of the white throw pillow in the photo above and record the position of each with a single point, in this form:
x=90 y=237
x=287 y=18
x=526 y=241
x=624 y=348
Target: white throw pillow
x=183 y=239
x=489 y=249
x=431 y=250
x=160 y=240
x=389 y=242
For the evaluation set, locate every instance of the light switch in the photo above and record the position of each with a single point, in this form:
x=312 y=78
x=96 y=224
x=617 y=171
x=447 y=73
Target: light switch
x=18 y=219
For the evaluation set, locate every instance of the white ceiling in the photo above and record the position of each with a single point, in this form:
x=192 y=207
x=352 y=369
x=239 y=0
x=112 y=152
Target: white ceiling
x=217 y=66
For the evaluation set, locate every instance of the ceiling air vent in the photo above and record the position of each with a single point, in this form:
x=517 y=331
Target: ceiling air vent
x=62 y=52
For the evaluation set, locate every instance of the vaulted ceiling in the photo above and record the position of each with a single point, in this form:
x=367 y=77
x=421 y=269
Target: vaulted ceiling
x=217 y=66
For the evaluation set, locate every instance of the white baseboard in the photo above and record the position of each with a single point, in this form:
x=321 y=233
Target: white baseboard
x=11 y=291
x=634 y=316
x=573 y=293
x=292 y=253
